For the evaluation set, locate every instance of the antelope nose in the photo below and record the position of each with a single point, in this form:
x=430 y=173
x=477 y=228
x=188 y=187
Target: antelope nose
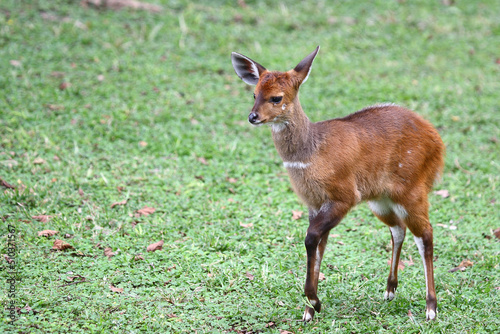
x=252 y=118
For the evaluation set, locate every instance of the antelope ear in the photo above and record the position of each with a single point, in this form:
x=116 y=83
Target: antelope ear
x=304 y=67
x=248 y=70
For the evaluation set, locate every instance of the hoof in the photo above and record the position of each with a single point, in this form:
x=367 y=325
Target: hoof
x=430 y=314
x=389 y=295
x=308 y=314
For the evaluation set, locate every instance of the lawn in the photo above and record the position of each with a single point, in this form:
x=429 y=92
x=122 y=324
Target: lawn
x=123 y=128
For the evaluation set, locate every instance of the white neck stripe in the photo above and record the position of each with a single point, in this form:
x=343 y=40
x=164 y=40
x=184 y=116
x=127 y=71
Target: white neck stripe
x=296 y=164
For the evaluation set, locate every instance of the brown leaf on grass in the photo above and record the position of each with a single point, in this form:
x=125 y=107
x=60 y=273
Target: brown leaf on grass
x=296 y=214
x=270 y=324
x=145 y=211
x=119 y=4
x=249 y=276
x=42 y=218
x=246 y=225
x=61 y=245
x=409 y=262
x=156 y=246
x=443 y=193
x=203 y=160
x=54 y=106
x=231 y=180
x=39 y=161
x=462 y=266
x=57 y=74
x=7 y=258
x=76 y=278
x=142 y=143
x=114 y=289
x=4 y=183
x=64 y=85
x=47 y=233
x=15 y=63
x=108 y=252
x=321 y=277
x=497 y=233
x=80 y=192
x=119 y=203
x=172 y=315
x=138 y=258
x=282 y=331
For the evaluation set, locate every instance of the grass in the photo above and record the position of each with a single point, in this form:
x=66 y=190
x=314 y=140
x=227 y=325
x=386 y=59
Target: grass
x=151 y=112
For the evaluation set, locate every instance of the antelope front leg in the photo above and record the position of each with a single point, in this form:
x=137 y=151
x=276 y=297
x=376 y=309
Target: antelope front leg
x=317 y=237
x=314 y=258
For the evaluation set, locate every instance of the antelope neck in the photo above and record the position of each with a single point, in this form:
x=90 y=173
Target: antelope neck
x=294 y=141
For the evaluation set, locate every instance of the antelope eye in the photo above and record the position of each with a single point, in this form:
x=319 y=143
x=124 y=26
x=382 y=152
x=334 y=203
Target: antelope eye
x=276 y=99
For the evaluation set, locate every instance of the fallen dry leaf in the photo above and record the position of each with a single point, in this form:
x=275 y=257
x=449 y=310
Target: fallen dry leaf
x=443 y=193
x=409 y=262
x=47 y=233
x=156 y=246
x=246 y=225
x=108 y=252
x=138 y=258
x=497 y=233
x=76 y=278
x=321 y=277
x=119 y=4
x=172 y=315
x=119 y=203
x=7 y=258
x=142 y=143
x=61 y=245
x=270 y=324
x=296 y=214
x=15 y=63
x=42 y=218
x=64 y=85
x=39 y=161
x=285 y=332
x=54 y=107
x=231 y=180
x=462 y=266
x=57 y=74
x=203 y=161
x=4 y=183
x=145 y=211
x=249 y=276
x=114 y=289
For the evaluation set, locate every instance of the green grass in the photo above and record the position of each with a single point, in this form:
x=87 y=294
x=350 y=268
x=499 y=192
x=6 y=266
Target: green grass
x=166 y=80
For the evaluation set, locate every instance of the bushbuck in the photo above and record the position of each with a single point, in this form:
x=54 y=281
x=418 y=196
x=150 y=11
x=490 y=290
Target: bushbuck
x=385 y=154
